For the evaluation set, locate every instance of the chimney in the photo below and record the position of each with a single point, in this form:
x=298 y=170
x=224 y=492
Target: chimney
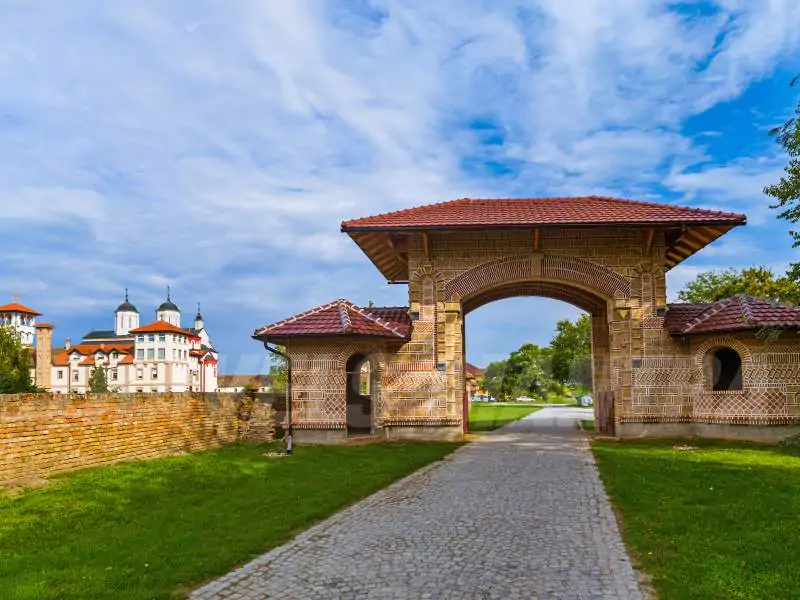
x=67 y=344
x=44 y=355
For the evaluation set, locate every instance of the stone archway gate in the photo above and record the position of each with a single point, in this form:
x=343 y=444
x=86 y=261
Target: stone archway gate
x=606 y=256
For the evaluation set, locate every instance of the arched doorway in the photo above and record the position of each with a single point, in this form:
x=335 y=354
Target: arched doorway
x=362 y=394
x=591 y=302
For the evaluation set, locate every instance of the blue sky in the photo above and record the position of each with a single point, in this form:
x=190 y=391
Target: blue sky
x=215 y=146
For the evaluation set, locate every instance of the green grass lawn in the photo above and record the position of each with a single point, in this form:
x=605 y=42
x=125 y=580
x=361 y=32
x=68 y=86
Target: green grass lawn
x=721 y=522
x=157 y=529
x=587 y=424
x=488 y=416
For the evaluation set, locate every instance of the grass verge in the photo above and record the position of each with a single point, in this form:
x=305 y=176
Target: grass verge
x=157 y=529
x=586 y=424
x=714 y=520
x=489 y=416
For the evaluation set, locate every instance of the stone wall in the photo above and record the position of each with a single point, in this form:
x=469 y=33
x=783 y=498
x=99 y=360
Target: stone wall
x=47 y=433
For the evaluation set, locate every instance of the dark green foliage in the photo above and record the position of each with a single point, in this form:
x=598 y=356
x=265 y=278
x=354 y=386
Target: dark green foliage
x=157 y=529
x=15 y=364
x=756 y=281
x=544 y=372
x=98 y=382
x=570 y=342
x=787 y=190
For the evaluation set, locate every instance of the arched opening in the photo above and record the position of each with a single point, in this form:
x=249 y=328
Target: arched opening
x=724 y=369
x=597 y=369
x=362 y=394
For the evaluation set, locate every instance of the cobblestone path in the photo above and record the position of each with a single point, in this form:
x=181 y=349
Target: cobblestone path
x=520 y=514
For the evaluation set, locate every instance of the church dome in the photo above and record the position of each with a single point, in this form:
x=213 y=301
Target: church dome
x=168 y=305
x=126 y=306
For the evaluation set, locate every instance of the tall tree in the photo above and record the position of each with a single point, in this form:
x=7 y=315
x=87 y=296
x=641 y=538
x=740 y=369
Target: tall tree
x=757 y=281
x=98 y=382
x=15 y=375
x=787 y=190
x=571 y=341
x=493 y=377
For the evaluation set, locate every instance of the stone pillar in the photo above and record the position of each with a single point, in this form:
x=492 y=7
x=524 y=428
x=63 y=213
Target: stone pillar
x=44 y=355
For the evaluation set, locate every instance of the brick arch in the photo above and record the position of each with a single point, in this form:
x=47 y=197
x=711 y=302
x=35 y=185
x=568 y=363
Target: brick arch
x=719 y=341
x=583 y=299
x=576 y=272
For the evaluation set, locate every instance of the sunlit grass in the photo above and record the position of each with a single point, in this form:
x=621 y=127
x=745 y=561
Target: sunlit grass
x=721 y=521
x=158 y=528
x=485 y=417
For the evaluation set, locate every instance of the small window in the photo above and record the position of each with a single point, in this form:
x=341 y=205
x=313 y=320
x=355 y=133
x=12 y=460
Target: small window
x=154 y=390
x=154 y=373
x=139 y=390
x=76 y=376
x=139 y=375
x=162 y=353
x=59 y=374
x=726 y=370
x=140 y=338
x=151 y=337
x=174 y=354
x=113 y=374
x=162 y=337
x=140 y=354
x=151 y=353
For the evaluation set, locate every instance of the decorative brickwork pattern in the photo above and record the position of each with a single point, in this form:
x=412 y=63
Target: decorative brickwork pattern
x=42 y=434
x=614 y=273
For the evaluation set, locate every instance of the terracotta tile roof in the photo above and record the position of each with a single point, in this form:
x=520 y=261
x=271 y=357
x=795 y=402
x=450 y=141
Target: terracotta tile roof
x=45 y=326
x=16 y=307
x=106 y=348
x=160 y=327
x=474 y=371
x=126 y=360
x=737 y=313
x=530 y=212
x=60 y=357
x=342 y=317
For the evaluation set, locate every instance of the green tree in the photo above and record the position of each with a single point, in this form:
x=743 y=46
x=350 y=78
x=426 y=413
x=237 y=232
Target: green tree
x=787 y=190
x=570 y=342
x=493 y=378
x=15 y=375
x=277 y=371
x=757 y=281
x=98 y=383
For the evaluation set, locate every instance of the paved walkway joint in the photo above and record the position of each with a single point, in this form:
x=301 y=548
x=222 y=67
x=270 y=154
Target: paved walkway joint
x=519 y=514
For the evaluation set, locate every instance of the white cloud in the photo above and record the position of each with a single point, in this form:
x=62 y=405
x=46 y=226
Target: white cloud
x=217 y=146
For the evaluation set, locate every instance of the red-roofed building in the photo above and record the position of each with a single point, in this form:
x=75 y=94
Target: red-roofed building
x=160 y=356
x=22 y=319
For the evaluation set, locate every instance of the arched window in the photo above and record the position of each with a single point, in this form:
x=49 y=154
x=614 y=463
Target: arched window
x=726 y=370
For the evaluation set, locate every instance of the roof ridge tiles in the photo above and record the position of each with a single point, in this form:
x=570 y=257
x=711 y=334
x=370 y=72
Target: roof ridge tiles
x=435 y=218
x=344 y=317
x=382 y=322
x=713 y=309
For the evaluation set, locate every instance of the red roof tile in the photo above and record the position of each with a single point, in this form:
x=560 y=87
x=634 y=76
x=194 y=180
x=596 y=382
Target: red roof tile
x=341 y=317
x=45 y=326
x=737 y=313
x=530 y=212
x=474 y=371
x=16 y=307
x=160 y=327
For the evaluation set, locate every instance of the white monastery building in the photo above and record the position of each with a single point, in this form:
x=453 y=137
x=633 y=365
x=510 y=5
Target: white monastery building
x=161 y=356
x=22 y=319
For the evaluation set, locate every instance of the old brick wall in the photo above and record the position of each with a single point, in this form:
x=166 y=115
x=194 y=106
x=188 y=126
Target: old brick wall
x=47 y=433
